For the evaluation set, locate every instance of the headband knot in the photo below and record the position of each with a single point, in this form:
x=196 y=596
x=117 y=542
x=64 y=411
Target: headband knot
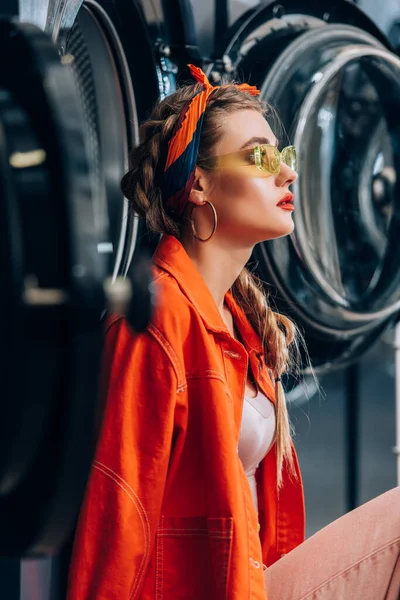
x=199 y=75
x=183 y=147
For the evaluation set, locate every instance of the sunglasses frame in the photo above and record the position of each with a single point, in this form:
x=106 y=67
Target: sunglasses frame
x=251 y=157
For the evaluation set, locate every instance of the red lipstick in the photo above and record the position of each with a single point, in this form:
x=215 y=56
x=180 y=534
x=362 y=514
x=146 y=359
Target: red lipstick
x=286 y=202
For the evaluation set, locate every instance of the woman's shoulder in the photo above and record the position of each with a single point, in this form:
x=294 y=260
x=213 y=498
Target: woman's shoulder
x=172 y=310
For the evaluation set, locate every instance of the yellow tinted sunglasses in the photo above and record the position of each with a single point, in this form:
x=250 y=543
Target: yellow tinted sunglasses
x=266 y=158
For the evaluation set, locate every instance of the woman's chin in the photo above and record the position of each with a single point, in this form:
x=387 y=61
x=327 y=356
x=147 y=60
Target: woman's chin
x=287 y=224
x=280 y=231
x=290 y=228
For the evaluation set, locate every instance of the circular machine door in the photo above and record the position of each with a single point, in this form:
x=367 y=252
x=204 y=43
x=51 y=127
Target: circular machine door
x=337 y=91
x=111 y=51
x=68 y=113
x=51 y=295
x=118 y=77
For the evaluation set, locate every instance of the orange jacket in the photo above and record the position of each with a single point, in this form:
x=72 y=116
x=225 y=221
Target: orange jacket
x=168 y=512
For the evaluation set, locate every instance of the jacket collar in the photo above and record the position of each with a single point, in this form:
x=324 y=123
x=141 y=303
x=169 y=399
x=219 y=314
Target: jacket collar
x=171 y=256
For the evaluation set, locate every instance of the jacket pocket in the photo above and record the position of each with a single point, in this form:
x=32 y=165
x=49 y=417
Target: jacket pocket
x=193 y=558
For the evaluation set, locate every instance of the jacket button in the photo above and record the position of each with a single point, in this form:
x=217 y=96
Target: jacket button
x=255 y=563
x=232 y=354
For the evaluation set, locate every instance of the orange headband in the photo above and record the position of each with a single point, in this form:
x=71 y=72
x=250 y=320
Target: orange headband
x=183 y=147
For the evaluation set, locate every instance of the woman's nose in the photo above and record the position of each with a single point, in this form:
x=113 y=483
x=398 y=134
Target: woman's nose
x=286 y=176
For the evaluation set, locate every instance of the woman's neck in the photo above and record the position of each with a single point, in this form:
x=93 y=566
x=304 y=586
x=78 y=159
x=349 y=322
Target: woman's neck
x=218 y=265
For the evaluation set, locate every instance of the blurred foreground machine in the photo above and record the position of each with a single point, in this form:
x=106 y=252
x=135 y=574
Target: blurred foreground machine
x=76 y=79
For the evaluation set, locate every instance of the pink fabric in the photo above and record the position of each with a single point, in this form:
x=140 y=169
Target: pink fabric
x=355 y=557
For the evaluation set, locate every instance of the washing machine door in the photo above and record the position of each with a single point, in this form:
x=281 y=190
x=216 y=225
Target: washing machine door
x=112 y=50
x=337 y=91
x=51 y=295
x=69 y=111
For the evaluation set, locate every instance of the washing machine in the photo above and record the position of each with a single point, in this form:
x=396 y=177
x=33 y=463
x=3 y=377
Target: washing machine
x=334 y=80
x=75 y=80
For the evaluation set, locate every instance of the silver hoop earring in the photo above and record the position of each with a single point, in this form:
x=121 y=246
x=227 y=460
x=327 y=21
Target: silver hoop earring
x=195 y=234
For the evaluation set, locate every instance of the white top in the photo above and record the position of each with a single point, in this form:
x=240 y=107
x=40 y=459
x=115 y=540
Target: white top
x=257 y=433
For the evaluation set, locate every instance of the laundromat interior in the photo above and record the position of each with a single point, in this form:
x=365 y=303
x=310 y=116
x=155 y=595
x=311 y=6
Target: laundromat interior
x=77 y=78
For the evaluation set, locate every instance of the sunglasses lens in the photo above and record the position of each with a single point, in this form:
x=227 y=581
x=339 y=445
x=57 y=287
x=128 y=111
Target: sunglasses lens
x=270 y=159
x=289 y=157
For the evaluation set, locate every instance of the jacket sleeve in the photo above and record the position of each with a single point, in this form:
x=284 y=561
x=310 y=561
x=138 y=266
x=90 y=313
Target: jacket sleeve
x=122 y=503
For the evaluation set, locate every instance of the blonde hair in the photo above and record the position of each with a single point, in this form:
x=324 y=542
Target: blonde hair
x=277 y=333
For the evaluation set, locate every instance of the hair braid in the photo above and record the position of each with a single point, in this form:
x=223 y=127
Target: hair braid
x=139 y=185
x=279 y=336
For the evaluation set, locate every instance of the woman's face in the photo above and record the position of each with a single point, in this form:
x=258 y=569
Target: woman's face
x=247 y=204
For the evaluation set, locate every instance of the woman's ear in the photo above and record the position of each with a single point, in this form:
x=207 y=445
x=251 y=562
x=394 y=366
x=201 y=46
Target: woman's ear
x=199 y=192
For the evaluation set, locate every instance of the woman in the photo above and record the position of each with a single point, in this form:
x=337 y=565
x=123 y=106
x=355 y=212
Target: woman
x=195 y=491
